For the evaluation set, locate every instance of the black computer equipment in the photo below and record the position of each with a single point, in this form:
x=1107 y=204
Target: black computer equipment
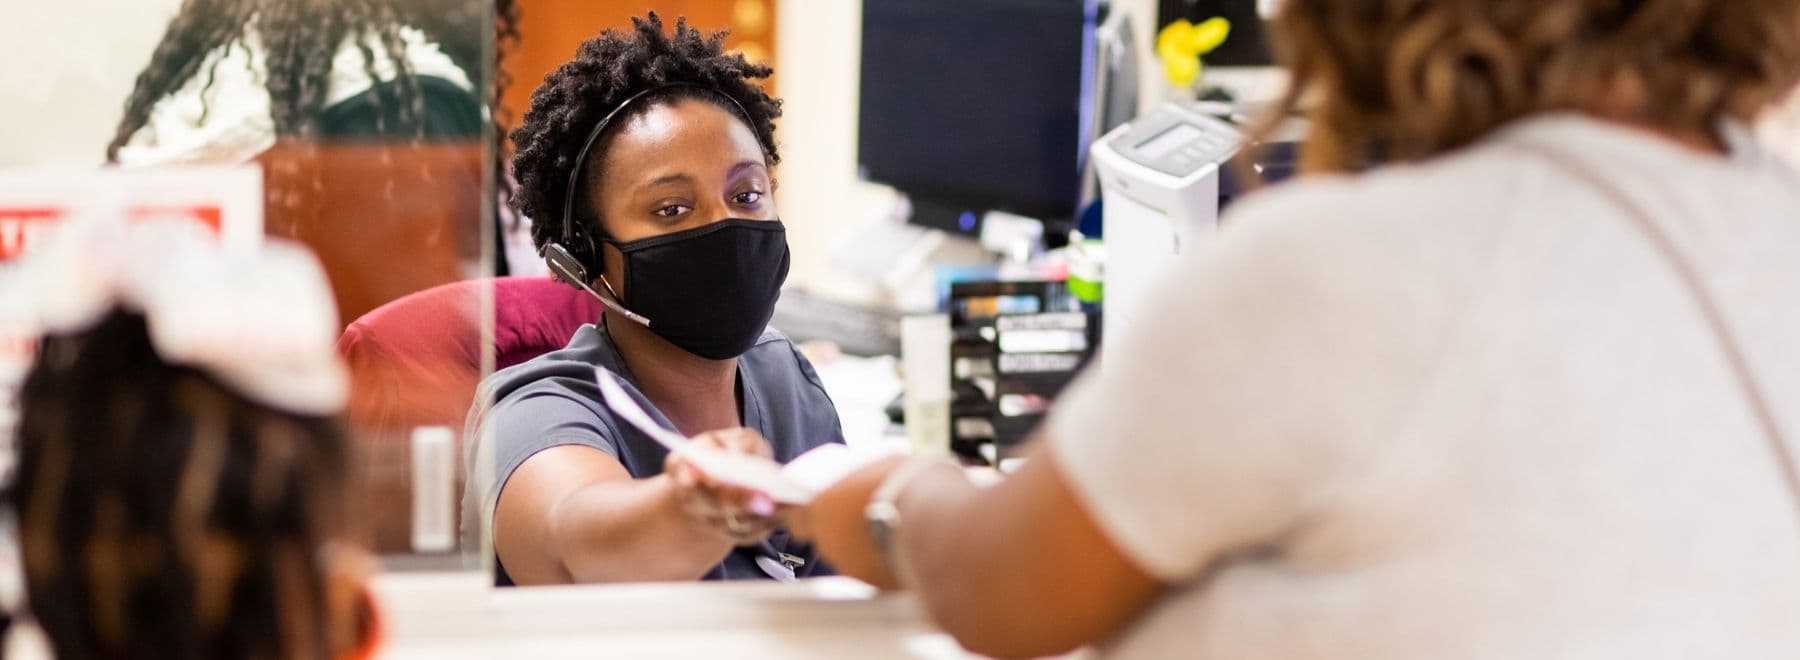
x=969 y=106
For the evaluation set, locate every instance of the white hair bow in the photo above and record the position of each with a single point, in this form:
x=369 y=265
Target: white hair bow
x=262 y=322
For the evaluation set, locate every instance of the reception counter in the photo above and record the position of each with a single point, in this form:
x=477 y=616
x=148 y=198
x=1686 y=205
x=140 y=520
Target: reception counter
x=455 y=615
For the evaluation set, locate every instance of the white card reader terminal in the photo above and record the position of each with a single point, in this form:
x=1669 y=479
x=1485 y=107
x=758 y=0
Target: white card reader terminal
x=1160 y=178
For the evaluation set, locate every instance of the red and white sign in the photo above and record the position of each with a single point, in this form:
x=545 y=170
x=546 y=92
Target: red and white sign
x=33 y=203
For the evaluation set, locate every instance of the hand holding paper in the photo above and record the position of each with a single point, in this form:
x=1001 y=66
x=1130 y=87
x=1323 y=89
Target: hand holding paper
x=795 y=484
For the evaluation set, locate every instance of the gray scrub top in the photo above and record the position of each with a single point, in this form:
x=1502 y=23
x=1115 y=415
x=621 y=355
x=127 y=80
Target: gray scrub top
x=553 y=401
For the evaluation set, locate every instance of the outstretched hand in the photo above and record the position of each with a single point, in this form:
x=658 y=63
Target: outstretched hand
x=743 y=516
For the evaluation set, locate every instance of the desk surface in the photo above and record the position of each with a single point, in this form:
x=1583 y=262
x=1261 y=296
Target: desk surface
x=455 y=615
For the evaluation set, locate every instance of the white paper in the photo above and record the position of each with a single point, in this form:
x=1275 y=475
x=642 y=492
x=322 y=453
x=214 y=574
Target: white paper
x=796 y=484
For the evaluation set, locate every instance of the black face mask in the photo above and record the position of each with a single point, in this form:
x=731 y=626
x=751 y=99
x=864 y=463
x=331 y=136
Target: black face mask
x=709 y=290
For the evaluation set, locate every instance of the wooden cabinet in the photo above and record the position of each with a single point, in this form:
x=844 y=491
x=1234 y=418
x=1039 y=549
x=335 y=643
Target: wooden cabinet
x=551 y=30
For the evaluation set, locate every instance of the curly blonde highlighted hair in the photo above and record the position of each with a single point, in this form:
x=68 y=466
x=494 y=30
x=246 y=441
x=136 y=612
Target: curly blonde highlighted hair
x=1397 y=80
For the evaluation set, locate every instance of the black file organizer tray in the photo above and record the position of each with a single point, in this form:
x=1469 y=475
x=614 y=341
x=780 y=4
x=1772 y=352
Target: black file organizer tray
x=1001 y=387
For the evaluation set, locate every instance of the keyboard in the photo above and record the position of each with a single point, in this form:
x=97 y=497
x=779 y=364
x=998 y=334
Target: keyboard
x=856 y=329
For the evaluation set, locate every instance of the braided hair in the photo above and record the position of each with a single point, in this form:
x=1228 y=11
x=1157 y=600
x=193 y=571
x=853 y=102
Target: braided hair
x=162 y=515
x=300 y=39
x=458 y=27
x=607 y=70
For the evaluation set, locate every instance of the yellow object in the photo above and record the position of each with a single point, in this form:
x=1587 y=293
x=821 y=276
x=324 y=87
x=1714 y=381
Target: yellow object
x=1173 y=36
x=1181 y=70
x=1180 y=45
x=1208 y=36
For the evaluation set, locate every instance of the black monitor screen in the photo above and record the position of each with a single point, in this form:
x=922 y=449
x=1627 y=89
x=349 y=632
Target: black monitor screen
x=976 y=103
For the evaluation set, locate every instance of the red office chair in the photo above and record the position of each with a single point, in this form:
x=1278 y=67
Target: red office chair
x=416 y=362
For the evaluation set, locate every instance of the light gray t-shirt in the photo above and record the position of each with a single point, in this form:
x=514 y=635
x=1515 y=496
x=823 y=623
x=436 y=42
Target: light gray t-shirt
x=1462 y=409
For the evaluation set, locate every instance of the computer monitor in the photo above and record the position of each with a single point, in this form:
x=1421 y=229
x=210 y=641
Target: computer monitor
x=970 y=106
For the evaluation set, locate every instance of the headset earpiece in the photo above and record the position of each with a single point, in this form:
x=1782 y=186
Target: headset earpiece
x=565 y=266
x=573 y=271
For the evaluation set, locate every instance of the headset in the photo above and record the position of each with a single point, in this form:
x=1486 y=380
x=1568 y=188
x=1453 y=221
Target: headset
x=568 y=259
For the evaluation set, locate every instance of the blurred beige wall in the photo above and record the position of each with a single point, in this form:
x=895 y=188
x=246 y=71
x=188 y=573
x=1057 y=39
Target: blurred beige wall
x=65 y=70
x=818 y=193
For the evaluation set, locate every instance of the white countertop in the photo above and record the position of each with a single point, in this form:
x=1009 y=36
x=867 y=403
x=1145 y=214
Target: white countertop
x=456 y=615
x=452 y=616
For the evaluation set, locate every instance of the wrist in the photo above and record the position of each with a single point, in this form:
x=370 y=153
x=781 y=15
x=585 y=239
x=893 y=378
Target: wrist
x=685 y=504
x=882 y=514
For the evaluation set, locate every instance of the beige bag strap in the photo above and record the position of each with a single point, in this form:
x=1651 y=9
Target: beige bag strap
x=1709 y=308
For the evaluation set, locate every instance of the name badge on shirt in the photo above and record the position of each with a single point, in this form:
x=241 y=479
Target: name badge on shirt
x=778 y=570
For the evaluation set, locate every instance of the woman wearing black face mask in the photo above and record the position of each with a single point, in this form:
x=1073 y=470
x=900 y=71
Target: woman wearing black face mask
x=645 y=166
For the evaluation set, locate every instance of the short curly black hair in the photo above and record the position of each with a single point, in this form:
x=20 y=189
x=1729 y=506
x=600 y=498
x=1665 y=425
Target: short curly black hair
x=607 y=70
